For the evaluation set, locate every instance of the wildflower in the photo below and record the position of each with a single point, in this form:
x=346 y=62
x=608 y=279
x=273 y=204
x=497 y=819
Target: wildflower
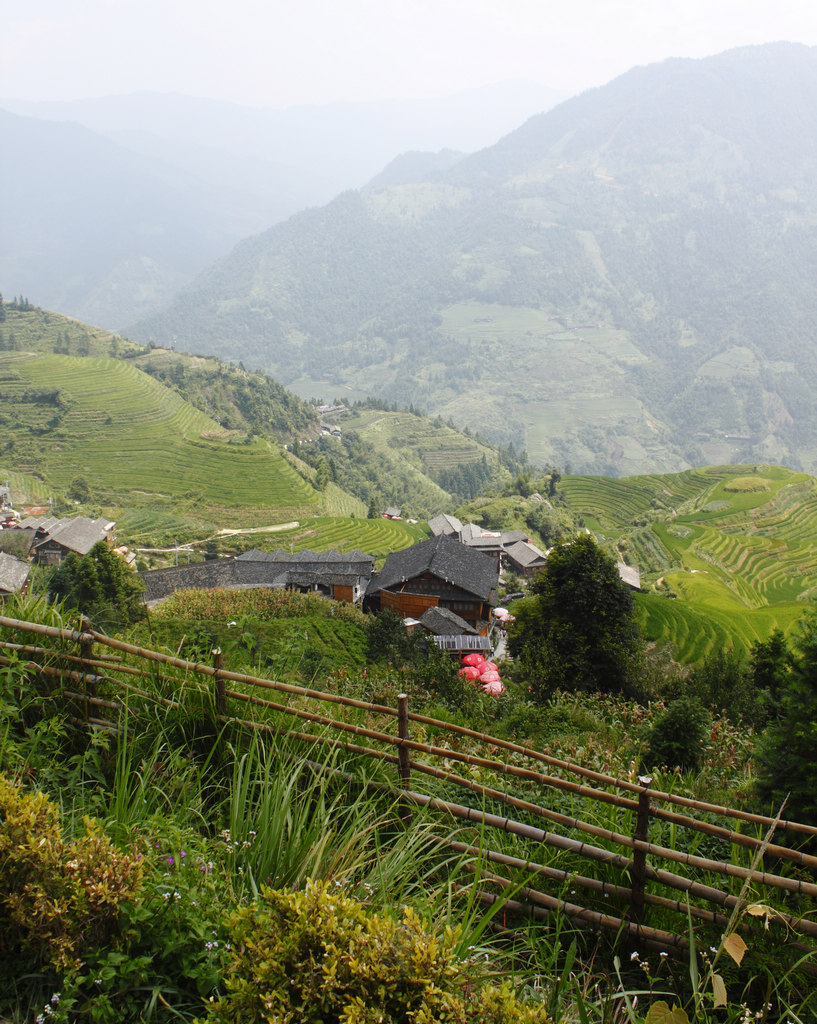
x=182 y=854
x=170 y=861
x=55 y=998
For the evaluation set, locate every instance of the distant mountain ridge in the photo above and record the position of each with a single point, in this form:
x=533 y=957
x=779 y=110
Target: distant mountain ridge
x=115 y=203
x=624 y=283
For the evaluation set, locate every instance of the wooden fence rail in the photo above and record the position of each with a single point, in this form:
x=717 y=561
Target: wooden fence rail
x=83 y=672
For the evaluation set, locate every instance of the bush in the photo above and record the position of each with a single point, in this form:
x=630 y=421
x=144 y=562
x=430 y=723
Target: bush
x=679 y=735
x=320 y=957
x=59 y=896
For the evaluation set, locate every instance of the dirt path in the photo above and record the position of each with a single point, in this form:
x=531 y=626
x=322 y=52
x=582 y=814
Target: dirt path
x=258 y=529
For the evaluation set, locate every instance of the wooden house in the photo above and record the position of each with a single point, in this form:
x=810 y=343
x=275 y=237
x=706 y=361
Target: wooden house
x=439 y=572
x=71 y=536
x=341 y=577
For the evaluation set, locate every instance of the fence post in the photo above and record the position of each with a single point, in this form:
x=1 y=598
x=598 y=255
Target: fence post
x=86 y=650
x=403 y=762
x=639 y=868
x=219 y=683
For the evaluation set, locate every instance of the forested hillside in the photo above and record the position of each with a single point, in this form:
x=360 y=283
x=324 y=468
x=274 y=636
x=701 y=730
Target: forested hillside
x=624 y=284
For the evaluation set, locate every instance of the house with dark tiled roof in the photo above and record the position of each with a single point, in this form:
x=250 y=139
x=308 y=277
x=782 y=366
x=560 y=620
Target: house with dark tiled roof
x=13 y=575
x=440 y=573
x=524 y=558
x=444 y=525
x=70 y=536
x=341 y=577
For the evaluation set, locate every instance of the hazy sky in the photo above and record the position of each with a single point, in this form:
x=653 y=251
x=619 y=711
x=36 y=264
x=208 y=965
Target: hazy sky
x=267 y=53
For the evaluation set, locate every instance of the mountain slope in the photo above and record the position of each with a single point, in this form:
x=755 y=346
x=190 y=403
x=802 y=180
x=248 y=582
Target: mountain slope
x=624 y=283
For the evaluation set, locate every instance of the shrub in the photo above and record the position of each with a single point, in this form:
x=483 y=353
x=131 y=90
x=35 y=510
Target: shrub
x=59 y=896
x=679 y=734
x=319 y=956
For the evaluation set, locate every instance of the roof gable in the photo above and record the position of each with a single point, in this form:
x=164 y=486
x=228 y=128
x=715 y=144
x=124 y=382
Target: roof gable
x=447 y=560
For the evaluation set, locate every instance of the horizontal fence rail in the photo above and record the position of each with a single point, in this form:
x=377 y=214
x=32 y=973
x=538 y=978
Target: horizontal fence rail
x=101 y=675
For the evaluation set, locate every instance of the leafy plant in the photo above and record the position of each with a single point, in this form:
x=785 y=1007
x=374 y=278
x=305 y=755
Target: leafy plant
x=320 y=956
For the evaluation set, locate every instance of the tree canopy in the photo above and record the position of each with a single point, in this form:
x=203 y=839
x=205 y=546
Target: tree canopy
x=578 y=630
x=101 y=586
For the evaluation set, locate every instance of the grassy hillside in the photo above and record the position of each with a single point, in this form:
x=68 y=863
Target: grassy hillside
x=406 y=459
x=735 y=546
x=134 y=441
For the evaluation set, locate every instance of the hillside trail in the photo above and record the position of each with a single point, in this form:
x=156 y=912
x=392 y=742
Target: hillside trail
x=258 y=529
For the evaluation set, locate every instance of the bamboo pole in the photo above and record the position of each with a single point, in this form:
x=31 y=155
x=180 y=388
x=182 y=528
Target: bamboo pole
x=638 y=874
x=404 y=763
x=657 y=795
x=593 y=884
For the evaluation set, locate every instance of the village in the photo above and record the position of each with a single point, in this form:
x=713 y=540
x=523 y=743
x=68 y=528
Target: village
x=445 y=587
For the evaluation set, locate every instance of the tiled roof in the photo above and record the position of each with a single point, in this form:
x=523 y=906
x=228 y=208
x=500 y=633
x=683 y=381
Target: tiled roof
x=13 y=573
x=443 y=622
x=442 y=557
x=275 y=573
x=525 y=554
x=444 y=524
x=79 y=534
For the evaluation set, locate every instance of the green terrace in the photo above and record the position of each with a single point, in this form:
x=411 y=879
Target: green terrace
x=125 y=433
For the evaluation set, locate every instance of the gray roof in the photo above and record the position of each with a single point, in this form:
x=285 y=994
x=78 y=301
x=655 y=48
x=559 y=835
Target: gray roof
x=525 y=554
x=513 y=536
x=275 y=573
x=444 y=524
x=13 y=573
x=447 y=559
x=443 y=622
x=78 y=534
x=39 y=522
x=337 y=560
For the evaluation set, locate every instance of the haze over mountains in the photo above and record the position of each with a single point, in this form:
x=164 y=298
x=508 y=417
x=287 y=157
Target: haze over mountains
x=112 y=204
x=625 y=283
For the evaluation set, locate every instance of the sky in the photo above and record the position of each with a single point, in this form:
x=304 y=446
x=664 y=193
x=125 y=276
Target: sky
x=267 y=53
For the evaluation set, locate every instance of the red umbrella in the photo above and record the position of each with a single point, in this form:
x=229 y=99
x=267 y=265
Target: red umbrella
x=469 y=672
x=473 y=659
x=489 y=677
x=494 y=688
x=488 y=666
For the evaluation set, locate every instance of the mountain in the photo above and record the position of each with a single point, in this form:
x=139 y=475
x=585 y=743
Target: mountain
x=98 y=231
x=117 y=202
x=624 y=283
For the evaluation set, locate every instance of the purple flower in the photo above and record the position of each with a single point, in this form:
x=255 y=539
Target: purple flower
x=170 y=861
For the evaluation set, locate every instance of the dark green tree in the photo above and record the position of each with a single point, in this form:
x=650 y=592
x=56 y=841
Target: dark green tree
x=578 y=630
x=787 y=754
x=678 y=738
x=101 y=586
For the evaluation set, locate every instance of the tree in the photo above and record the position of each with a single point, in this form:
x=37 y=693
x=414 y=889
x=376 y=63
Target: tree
x=578 y=630
x=101 y=586
x=787 y=754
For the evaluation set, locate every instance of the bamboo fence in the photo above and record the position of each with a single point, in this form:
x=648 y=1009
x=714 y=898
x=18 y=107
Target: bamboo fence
x=84 y=662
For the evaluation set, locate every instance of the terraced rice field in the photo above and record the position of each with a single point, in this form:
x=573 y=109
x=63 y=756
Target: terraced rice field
x=376 y=537
x=736 y=545
x=124 y=432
